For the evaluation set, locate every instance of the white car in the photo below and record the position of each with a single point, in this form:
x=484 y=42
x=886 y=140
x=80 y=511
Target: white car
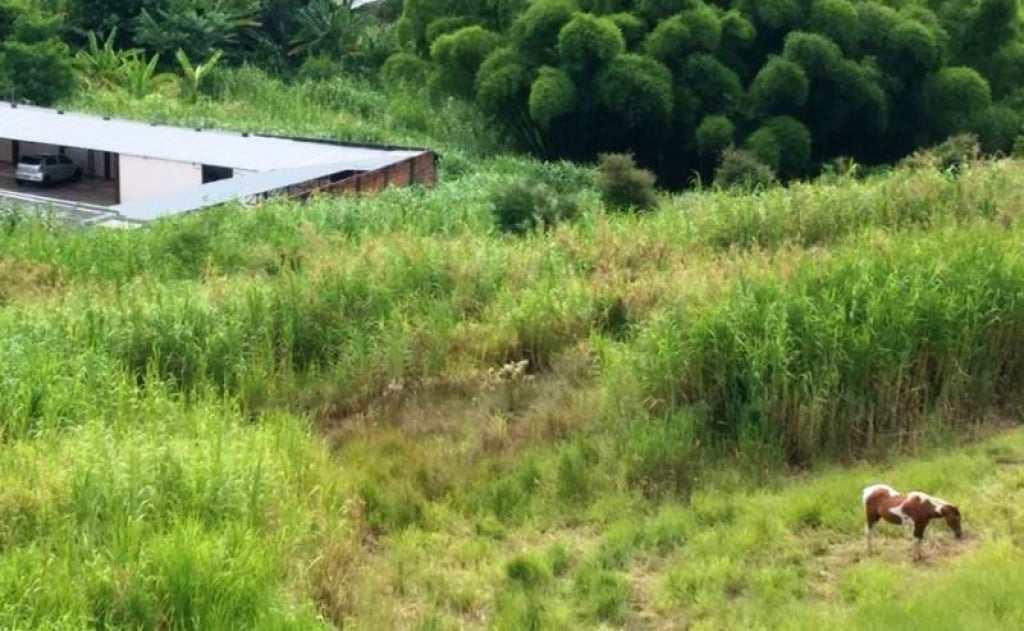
x=47 y=168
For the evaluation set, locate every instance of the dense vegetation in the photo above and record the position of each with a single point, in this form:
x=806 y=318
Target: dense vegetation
x=796 y=82
x=729 y=89
x=386 y=412
x=542 y=395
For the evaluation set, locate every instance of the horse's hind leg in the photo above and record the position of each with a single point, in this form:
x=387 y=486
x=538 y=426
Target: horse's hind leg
x=869 y=531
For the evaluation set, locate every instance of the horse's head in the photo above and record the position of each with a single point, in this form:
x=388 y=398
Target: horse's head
x=952 y=516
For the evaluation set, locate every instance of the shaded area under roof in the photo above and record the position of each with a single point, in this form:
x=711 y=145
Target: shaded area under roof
x=223 y=191
x=219 y=148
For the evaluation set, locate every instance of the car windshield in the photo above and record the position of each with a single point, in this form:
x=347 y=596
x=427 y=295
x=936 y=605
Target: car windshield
x=31 y=160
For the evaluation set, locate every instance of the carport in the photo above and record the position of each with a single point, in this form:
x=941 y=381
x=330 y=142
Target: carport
x=154 y=169
x=98 y=186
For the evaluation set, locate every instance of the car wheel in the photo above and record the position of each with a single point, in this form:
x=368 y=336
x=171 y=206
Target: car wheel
x=78 y=175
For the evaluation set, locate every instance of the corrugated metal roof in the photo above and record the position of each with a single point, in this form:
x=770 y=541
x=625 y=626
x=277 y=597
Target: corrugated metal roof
x=219 y=148
x=223 y=191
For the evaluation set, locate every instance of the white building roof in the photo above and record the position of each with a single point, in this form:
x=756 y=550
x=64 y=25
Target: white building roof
x=221 y=191
x=181 y=144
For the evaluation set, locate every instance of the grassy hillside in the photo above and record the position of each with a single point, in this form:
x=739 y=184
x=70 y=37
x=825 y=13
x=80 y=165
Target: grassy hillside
x=384 y=413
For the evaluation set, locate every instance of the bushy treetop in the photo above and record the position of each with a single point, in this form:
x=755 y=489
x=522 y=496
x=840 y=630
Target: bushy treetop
x=794 y=82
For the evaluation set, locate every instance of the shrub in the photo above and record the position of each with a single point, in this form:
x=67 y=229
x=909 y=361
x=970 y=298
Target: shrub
x=950 y=155
x=404 y=69
x=523 y=206
x=573 y=481
x=527 y=572
x=741 y=169
x=604 y=593
x=660 y=457
x=624 y=186
x=319 y=67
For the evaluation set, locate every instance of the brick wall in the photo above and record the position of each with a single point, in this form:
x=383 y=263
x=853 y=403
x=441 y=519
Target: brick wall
x=420 y=169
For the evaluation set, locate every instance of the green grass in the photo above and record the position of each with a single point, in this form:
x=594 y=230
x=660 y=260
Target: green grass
x=316 y=416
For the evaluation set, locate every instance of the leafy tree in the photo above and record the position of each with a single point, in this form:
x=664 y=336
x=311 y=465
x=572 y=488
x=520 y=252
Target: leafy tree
x=954 y=97
x=837 y=20
x=536 y=31
x=503 y=85
x=1006 y=69
x=763 y=144
x=670 y=40
x=637 y=92
x=819 y=56
x=998 y=127
x=992 y=25
x=705 y=26
x=38 y=72
x=457 y=57
x=632 y=28
x=328 y=27
x=35 y=65
x=777 y=15
x=780 y=86
x=552 y=96
x=794 y=142
x=104 y=17
x=587 y=43
x=446 y=24
x=714 y=134
x=417 y=15
x=194 y=27
x=715 y=86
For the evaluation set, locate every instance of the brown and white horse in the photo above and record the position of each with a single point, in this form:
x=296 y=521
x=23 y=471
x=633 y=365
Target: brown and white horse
x=911 y=509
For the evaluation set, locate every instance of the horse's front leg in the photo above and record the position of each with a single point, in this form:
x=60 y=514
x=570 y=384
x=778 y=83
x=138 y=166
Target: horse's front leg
x=919 y=528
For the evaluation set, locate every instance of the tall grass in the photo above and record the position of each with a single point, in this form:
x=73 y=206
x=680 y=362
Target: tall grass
x=161 y=518
x=343 y=108
x=858 y=352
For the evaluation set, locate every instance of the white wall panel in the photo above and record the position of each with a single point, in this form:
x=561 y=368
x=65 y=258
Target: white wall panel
x=145 y=177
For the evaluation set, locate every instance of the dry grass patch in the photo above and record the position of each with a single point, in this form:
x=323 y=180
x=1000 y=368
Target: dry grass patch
x=27 y=281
